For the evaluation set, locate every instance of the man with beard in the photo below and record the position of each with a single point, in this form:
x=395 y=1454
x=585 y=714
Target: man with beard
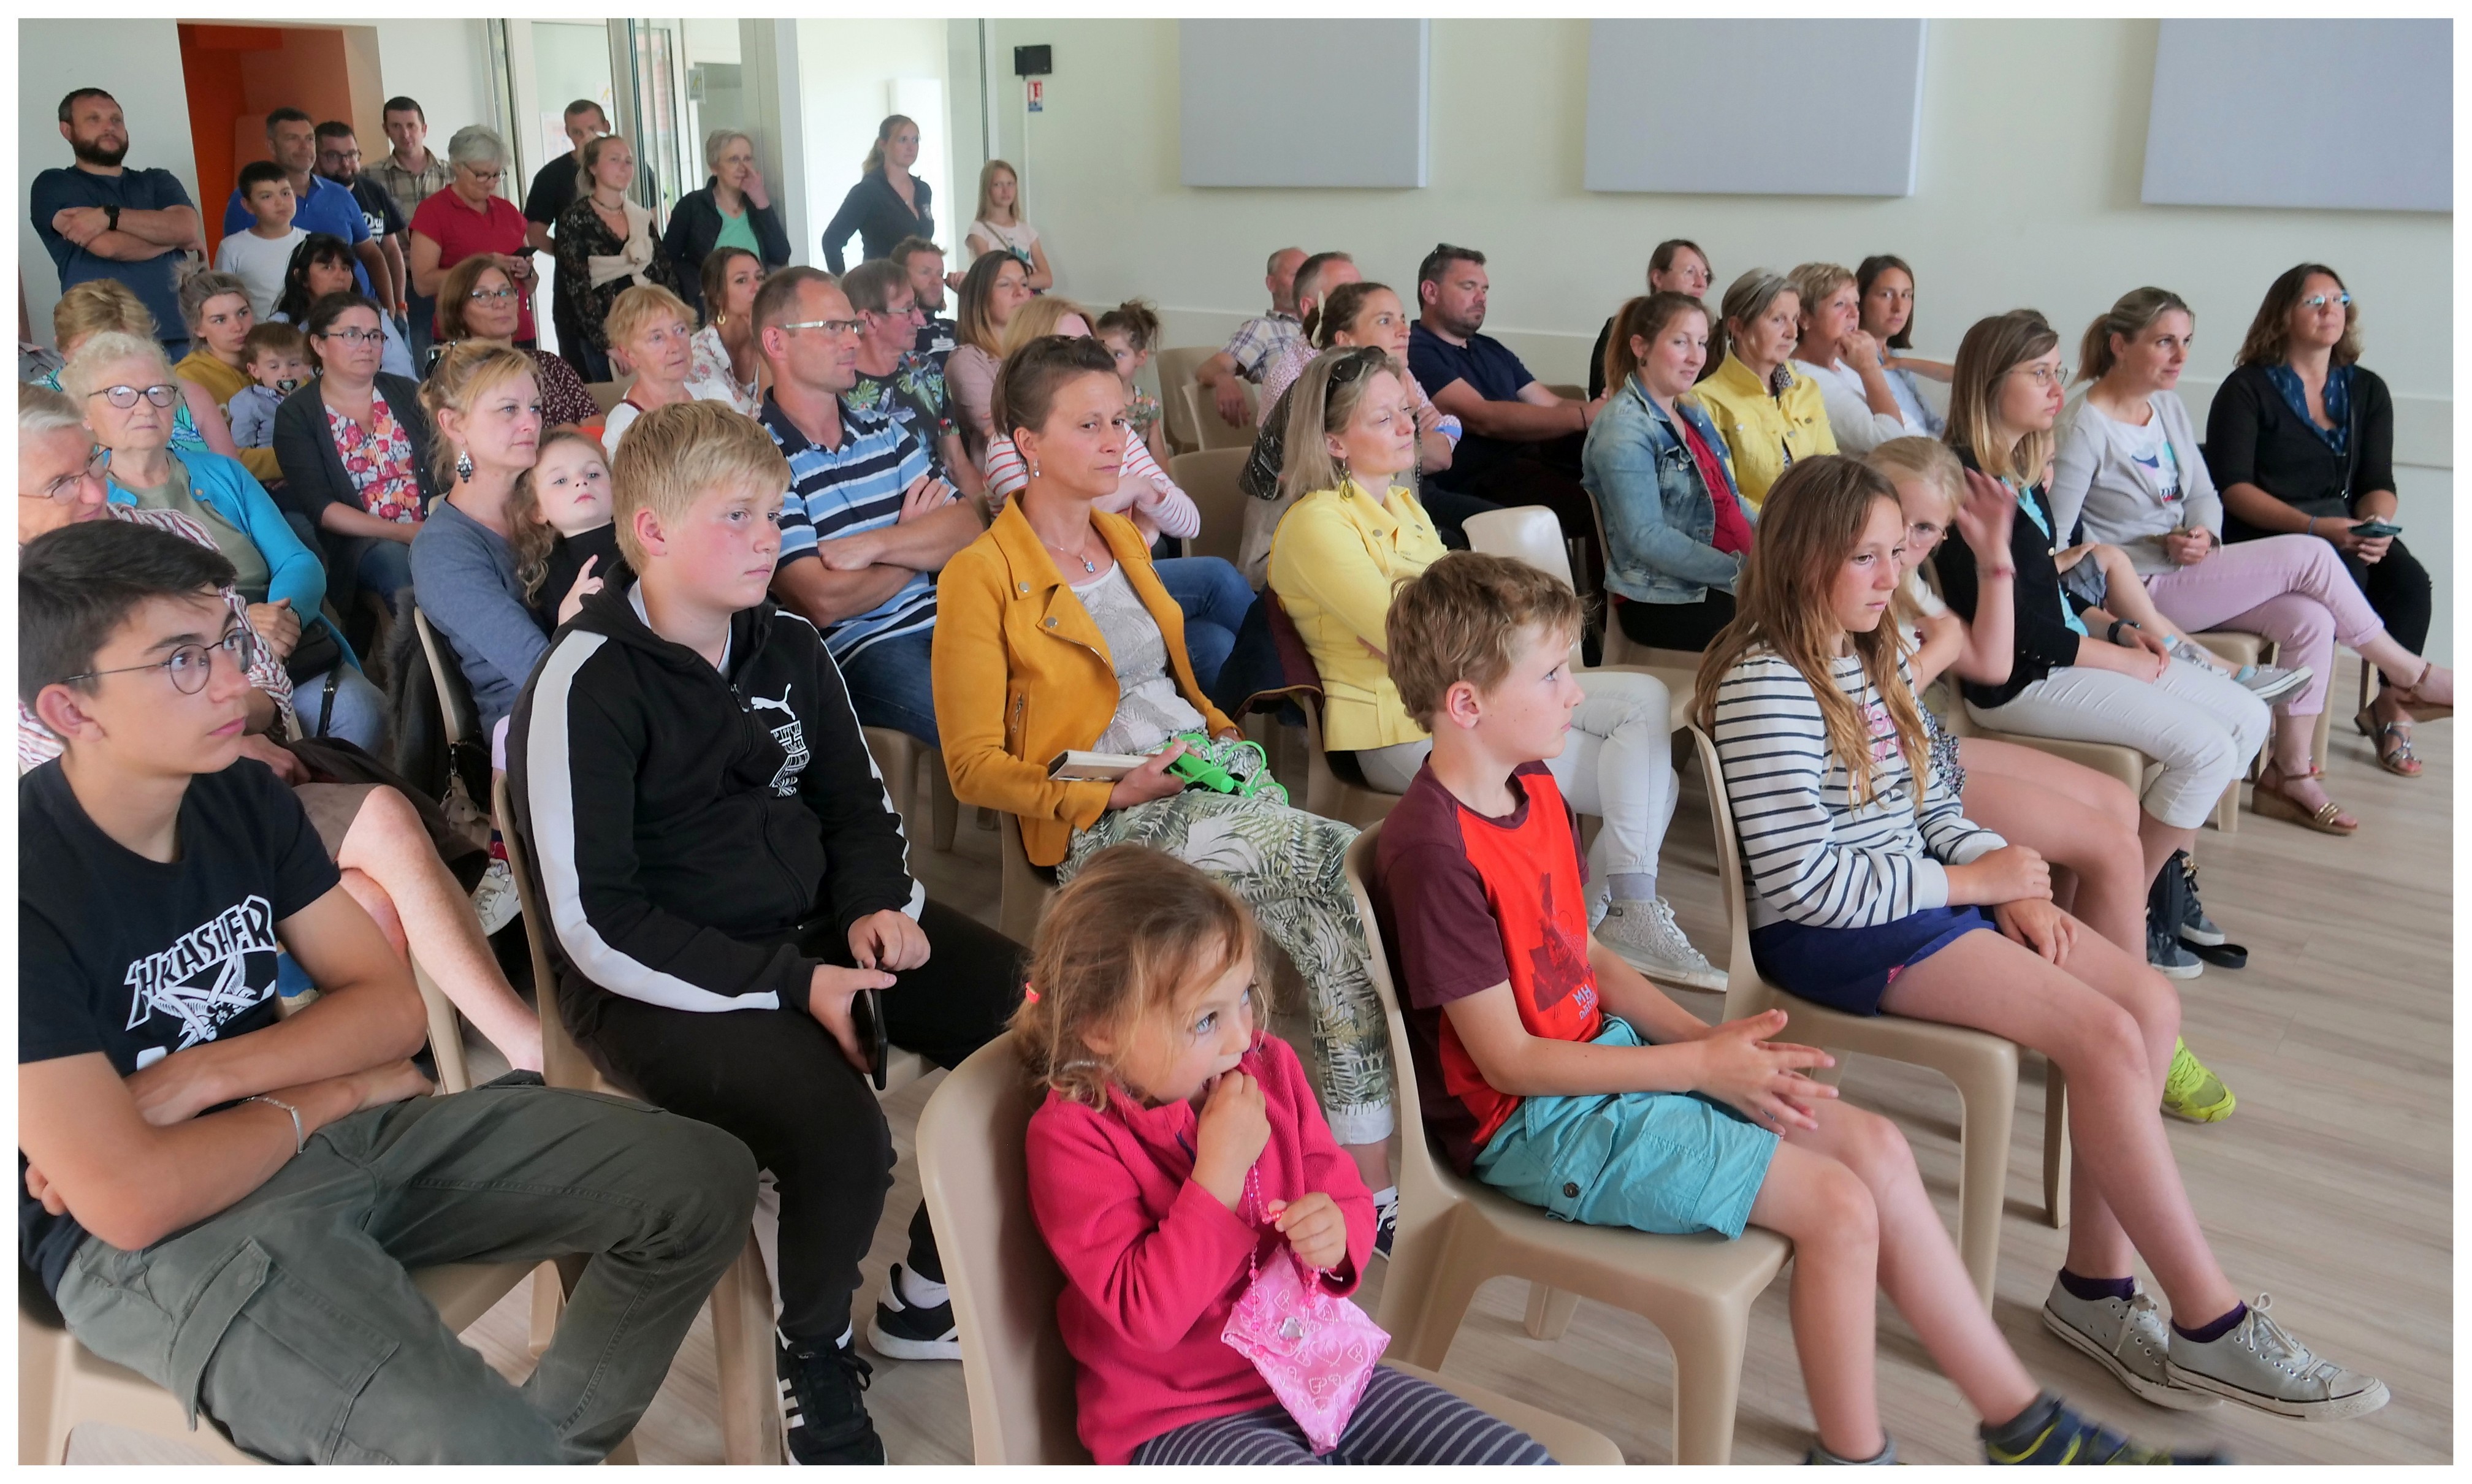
x=1522 y=445
x=100 y=221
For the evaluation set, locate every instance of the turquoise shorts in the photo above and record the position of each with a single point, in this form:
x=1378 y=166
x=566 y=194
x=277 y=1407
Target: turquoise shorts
x=1674 y=1162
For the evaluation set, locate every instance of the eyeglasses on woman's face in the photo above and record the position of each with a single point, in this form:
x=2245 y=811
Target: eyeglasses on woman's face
x=161 y=394
x=68 y=486
x=2043 y=376
x=190 y=664
x=491 y=295
x=482 y=176
x=351 y=336
x=2322 y=300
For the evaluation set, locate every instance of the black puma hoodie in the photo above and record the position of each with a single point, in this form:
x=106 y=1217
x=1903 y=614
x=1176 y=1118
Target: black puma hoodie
x=685 y=820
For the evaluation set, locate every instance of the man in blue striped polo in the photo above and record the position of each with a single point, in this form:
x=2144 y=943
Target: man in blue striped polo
x=866 y=526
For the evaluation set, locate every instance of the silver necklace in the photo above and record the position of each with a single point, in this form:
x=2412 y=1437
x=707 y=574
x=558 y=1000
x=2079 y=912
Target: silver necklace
x=1087 y=565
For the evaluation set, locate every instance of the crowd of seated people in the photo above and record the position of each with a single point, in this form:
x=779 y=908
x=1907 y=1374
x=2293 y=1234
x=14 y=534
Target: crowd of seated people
x=820 y=508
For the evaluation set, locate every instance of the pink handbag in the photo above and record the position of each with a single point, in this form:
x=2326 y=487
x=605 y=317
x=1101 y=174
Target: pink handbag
x=1315 y=1348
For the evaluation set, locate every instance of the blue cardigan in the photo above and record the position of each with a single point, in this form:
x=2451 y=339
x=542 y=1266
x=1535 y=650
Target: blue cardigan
x=227 y=487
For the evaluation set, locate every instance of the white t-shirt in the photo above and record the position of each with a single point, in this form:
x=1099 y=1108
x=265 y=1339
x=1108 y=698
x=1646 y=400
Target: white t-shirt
x=1019 y=237
x=614 y=426
x=259 y=262
x=1858 y=429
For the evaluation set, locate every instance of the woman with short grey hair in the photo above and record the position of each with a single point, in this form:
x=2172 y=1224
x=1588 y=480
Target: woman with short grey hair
x=732 y=210
x=470 y=218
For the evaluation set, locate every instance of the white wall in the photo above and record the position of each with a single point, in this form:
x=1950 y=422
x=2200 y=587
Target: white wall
x=444 y=66
x=140 y=67
x=846 y=69
x=2027 y=194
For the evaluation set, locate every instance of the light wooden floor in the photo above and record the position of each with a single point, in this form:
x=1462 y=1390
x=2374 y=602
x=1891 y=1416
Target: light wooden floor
x=2330 y=1188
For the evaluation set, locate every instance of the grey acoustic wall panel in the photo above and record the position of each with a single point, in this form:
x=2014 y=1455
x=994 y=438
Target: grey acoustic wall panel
x=2339 y=115
x=1669 y=107
x=1303 y=103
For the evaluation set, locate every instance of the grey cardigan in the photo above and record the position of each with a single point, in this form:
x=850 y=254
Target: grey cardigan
x=464 y=578
x=2094 y=476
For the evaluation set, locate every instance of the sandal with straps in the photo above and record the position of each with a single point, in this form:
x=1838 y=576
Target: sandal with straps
x=2268 y=798
x=2393 y=740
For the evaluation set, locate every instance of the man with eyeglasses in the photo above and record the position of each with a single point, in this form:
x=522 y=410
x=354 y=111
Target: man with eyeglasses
x=867 y=524
x=319 y=205
x=339 y=159
x=100 y=219
x=894 y=377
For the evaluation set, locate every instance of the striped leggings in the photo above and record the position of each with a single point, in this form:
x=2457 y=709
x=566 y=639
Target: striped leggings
x=1400 y=1420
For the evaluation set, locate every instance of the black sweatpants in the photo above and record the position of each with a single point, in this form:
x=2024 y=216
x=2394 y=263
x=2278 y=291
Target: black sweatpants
x=2397 y=587
x=1678 y=625
x=778 y=1080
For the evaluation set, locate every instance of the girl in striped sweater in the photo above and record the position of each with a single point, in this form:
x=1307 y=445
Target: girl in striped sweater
x=1873 y=892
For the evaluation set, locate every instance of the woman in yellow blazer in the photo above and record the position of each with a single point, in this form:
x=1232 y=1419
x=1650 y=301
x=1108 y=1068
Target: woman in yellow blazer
x=1053 y=634
x=1334 y=560
x=1769 y=416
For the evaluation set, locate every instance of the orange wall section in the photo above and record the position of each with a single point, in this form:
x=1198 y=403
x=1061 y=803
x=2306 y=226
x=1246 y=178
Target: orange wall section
x=236 y=76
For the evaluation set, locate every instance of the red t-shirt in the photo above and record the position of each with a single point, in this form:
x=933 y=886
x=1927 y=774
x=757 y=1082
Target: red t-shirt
x=1733 y=533
x=1467 y=902
x=460 y=232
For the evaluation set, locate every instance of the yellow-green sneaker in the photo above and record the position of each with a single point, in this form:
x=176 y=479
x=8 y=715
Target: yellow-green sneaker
x=2191 y=1091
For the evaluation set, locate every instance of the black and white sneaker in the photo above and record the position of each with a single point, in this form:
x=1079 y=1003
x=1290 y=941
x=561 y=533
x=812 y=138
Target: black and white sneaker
x=908 y=1332
x=823 y=1409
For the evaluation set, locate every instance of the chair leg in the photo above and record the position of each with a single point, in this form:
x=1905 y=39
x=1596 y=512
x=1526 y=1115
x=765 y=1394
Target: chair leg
x=1707 y=1347
x=1433 y=1279
x=1990 y=1113
x=944 y=812
x=2055 y=1145
x=548 y=1302
x=1550 y=1310
x=624 y=1455
x=741 y=1342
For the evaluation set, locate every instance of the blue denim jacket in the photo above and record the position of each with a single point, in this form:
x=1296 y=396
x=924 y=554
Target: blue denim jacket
x=1657 y=510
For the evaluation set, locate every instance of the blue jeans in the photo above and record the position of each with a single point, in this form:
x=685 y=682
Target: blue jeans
x=1215 y=597
x=357 y=715
x=385 y=567
x=891 y=685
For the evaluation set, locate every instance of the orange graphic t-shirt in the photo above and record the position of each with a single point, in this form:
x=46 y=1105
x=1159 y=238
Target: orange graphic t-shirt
x=1467 y=902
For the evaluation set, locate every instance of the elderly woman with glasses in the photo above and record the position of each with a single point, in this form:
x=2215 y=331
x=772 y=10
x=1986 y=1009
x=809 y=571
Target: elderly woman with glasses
x=479 y=303
x=732 y=210
x=470 y=219
x=128 y=394
x=355 y=446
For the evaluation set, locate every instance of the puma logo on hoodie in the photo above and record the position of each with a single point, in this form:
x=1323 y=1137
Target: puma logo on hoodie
x=792 y=737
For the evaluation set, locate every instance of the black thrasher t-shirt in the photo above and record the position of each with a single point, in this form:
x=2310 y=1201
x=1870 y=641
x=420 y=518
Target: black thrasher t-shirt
x=137 y=958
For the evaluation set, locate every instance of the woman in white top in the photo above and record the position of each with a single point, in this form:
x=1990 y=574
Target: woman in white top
x=999 y=227
x=651 y=333
x=1885 y=286
x=2129 y=462
x=1844 y=360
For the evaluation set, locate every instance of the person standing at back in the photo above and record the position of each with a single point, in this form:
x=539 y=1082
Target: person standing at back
x=732 y=210
x=556 y=187
x=1000 y=226
x=338 y=160
x=411 y=174
x=100 y=221
x=889 y=202
x=318 y=205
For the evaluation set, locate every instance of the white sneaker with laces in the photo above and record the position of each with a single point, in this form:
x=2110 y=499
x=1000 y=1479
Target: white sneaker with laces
x=2127 y=1337
x=1650 y=940
x=2257 y=1362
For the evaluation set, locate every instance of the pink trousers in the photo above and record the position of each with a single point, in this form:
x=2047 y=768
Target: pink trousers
x=2291 y=589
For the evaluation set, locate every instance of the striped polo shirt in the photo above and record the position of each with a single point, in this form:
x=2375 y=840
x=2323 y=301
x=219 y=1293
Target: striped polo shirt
x=841 y=492
x=1814 y=856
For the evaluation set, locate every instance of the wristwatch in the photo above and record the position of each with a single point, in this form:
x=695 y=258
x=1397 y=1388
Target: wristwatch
x=2117 y=624
x=111 y=217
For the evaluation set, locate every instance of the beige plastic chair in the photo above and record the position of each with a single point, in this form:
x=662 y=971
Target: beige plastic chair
x=1026 y=887
x=62 y=1385
x=1214 y=431
x=1531 y=534
x=1620 y=650
x=1983 y=1067
x=454 y=692
x=1176 y=366
x=1014 y=1365
x=742 y=1301
x=897 y=757
x=1455 y=1233
x=1209 y=477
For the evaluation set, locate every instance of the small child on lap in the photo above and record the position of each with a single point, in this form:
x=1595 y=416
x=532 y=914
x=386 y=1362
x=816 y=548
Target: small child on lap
x=276 y=357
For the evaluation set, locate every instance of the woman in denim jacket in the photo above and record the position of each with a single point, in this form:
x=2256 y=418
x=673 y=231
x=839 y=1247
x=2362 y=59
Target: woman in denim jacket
x=1677 y=530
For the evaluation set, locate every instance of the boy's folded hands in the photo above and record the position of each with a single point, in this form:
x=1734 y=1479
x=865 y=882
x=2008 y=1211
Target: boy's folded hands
x=1763 y=1078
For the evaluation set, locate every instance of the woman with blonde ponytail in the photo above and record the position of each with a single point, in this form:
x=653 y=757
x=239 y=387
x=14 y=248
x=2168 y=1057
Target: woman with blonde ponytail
x=889 y=202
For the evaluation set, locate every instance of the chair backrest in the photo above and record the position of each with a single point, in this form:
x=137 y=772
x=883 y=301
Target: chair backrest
x=1568 y=391
x=1424 y=1182
x=1743 y=985
x=973 y=1172
x=564 y=1064
x=454 y=692
x=1209 y=478
x=1212 y=431
x=1176 y=366
x=1529 y=533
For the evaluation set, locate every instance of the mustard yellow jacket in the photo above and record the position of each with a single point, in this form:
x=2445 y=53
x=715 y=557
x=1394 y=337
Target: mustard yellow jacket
x=1765 y=433
x=1023 y=673
x=1333 y=561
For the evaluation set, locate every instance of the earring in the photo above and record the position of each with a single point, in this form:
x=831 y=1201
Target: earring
x=1033 y=468
x=1345 y=477
x=462 y=466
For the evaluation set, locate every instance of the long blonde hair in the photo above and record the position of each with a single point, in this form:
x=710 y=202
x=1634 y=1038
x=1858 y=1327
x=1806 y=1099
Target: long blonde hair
x=1324 y=404
x=1813 y=517
x=1991 y=349
x=986 y=201
x=883 y=132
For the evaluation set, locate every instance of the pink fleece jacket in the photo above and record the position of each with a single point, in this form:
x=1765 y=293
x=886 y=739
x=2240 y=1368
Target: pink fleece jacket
x=1153 y=1264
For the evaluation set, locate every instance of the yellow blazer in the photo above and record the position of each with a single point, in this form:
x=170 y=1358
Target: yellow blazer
x=1333 y=562
x=1023 y=673
x=1762 y=429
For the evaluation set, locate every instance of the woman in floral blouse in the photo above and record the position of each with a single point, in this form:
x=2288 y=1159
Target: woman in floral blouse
x=478 y=302
x=354 y=444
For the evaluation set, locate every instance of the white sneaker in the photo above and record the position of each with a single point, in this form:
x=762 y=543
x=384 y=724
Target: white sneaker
x=1648 y=938
x=2127 y=1337
x=495 y=899
x=2258 y=1363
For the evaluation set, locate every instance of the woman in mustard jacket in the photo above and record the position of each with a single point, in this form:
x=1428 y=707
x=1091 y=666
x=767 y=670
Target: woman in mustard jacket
x=1053 y=634
x=1769 y=416
x=1334 y=559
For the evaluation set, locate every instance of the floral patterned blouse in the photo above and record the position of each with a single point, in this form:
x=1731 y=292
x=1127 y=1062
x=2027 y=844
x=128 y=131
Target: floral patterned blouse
x=1142 y=413
x=709 y=377
x=378 y=458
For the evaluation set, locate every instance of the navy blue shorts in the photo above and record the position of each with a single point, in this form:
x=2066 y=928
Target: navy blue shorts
x=1849 y=969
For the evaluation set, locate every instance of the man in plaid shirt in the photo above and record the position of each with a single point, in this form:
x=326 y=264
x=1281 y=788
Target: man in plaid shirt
x=1256 y=341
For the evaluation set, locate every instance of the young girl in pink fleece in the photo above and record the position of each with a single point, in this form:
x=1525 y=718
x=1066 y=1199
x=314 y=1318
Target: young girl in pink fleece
x=1162 y=1095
